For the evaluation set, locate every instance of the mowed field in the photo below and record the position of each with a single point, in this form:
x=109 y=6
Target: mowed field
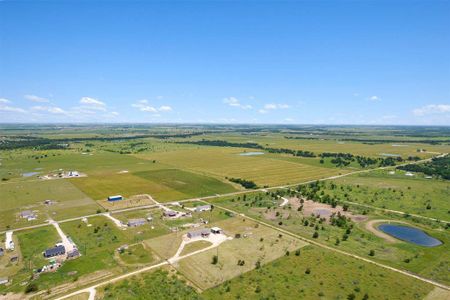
x=226 y=162
x=162 y=185
x=317 y=146
x=255 y=244
x=68 y=201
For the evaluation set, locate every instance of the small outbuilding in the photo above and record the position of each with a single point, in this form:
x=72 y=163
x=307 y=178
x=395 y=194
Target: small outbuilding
x=198 y=233
x=203 y=208
x=55 y=251
x=170 y=213
x=4 y=280
x=28 y=214
x=136 y=222
x=216 y=230
x=115 y=198
x=73 y=254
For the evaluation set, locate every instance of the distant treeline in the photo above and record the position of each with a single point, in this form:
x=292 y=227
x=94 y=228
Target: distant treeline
x=344 y=159
x=370 y=141
x=439 y=166
x=24 y=141
x=248 y=184
x=221 y=143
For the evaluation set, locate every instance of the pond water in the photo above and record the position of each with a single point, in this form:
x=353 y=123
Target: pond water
x=29 y=174
x=251 y=153
x=390 y=154
x=410 y=234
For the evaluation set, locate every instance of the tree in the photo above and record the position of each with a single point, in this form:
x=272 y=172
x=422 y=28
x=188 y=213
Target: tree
x=372 y=252
x=297 y=252
x=307 y=271
x=315 y=235
x=215 y=260
x=32 y=287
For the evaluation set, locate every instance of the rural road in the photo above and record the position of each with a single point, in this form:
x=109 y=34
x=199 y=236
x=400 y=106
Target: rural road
x=215 y=240
x=337 y=250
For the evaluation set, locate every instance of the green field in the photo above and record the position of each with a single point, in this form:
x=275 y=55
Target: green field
x=162 y=185
x=416 y=195
x=332 y=276
x=428 y=262
x=261 y=245
x=18 y=196
x=226 y=162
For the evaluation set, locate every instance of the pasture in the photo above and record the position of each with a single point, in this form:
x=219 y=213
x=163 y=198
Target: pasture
x=261 y=245
x=162 y=185
x=222 y=162
x=319 y=274
x=67 y=201
x=416 y=195
x=354 y=237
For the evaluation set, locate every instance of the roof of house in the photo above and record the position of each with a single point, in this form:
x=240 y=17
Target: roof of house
x=216 y=229
x=203 y=207
x=136 y=221
x=55 y=251
x=199 y=232
x=26 y=213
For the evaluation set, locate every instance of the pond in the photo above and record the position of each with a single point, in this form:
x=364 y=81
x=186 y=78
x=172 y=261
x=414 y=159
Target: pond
x=251 y=153
x=29 y=174
x=410 y=234
x=390 y=154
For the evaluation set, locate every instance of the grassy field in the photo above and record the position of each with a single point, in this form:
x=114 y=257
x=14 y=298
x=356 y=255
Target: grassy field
x=226 y=162
x=428 y=262
x=136 y=255
x=261 y=245
x=417 y=195
x=18 y=196
x=331 y=276
x=158 y=284
x=162 y=185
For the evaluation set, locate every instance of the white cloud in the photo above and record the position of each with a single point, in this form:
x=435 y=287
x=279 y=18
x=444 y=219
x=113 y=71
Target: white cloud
x=3 y=100
x=272 y=106
x=432 y=109
x=7 y=108
x=374 y=98
x=232 y=101
x=114 y=113
x=143 y=105
x=91 y=103
x=35 y=98
x=165 y=108
x=50 y=109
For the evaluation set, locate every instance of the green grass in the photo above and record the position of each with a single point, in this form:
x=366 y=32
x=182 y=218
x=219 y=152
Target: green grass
x=163 y=185
x=17 y=196
x=136 y=254
x=192 y=247
x=397 y=192
x=428 y=262
x=225 y=162
x=332 y=276
x=156 y=285
x=256 y=244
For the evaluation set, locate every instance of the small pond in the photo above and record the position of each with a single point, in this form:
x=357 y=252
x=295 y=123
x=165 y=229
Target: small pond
x=390 y=154
x=410 y=234
x=29 y=174
x=251 y=153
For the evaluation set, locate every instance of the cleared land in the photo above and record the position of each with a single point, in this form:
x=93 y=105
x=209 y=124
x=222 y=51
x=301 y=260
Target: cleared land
x=162 y=185
x=330 y=276
x=226 y=162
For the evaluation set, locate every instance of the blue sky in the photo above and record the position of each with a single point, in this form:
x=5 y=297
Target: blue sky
x=305 y=62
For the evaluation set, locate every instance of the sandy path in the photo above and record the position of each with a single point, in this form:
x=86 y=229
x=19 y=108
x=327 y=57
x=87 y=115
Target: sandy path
x=118 y=223
x=371 y=226
x=64 y=239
